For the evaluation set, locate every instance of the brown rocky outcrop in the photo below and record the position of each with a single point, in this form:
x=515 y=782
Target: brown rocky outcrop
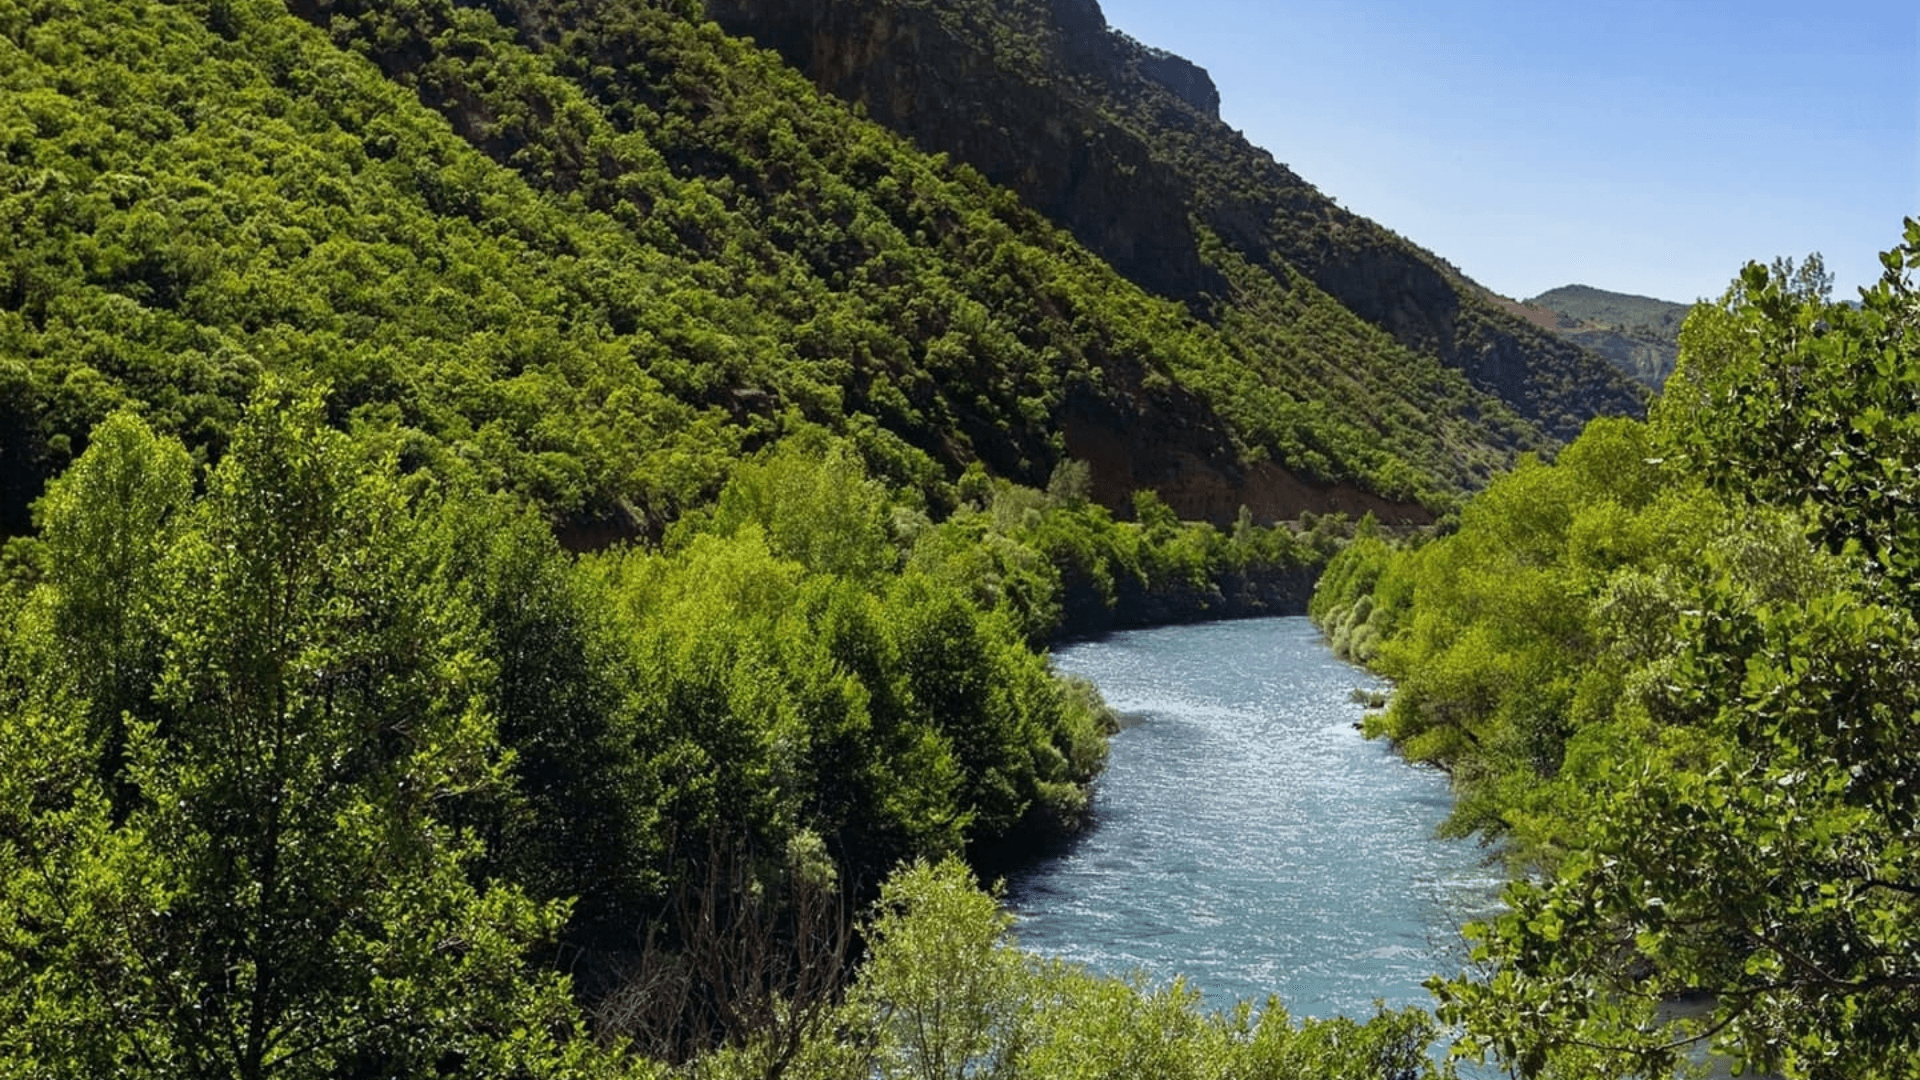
x=1199 y=477
x=1188 y=80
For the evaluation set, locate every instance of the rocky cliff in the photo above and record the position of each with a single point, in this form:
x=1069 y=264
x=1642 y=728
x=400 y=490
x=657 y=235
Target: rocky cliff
x=966 y=85
x=1122 y=144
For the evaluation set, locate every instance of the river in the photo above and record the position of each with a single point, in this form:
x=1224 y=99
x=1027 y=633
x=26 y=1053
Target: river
x=1248 y=838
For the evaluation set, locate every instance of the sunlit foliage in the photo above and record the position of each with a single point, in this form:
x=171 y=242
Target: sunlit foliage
x=1675 y=671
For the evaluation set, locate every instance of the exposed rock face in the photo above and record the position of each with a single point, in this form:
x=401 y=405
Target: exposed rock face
x=1200 y=478
x=1123 y=146
x=1188 y=80
x=1081 y=23
x=928 y=77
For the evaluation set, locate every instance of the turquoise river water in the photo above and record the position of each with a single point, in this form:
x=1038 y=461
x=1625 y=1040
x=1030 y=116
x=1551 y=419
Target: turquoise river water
x=1248 y=838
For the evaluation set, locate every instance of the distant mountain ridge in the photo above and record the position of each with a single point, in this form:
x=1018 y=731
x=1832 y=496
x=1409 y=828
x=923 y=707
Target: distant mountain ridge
x=1615 y=309
x=1639 y=334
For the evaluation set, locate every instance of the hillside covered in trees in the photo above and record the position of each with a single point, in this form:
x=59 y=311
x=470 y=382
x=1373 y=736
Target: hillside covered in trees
x=617 y=250
x=1122 y=144
x=519 y=517
x=1674 y=674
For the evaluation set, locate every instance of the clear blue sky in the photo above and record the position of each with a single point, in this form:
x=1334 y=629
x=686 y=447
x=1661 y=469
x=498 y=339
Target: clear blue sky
x=1644 y=147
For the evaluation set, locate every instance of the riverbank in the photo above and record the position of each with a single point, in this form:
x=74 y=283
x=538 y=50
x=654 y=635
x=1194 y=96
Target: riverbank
x=1259 y=592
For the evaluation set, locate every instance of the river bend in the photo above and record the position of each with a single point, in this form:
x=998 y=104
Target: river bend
x=1246 y=837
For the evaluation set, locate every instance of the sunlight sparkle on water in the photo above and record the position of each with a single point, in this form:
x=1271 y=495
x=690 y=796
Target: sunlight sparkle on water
x=1246 y=836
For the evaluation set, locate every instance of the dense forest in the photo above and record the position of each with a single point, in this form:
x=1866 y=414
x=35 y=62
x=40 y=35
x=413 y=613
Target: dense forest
x=531 y=535
x=597 y=274
x=317 y=766
x=1674 y=675
x=1123 y=145
x=532 y=530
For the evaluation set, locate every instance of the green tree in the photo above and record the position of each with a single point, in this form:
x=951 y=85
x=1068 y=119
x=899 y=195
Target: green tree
x=108 y=523
x=572 y=823
x=948 y=656
x=943 y=984
x=1808 y=281
x=945 y=994
x=284 y=895
x=1784 y=399
x=1772 y=867
x=1754 y=844
x=816 y=506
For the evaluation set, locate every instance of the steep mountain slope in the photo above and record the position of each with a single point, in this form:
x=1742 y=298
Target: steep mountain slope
x=688 y=253
x=235 y=240
x=1293 y=375
x=1122 y=144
